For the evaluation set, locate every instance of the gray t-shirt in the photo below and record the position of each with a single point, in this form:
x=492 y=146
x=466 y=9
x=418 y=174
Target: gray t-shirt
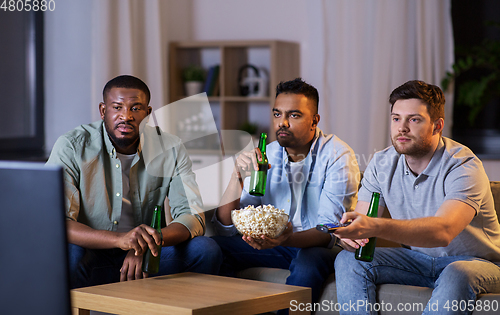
x=454 y=173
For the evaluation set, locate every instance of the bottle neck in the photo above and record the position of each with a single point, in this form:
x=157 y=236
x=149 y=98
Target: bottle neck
x=156 y=221
x=262 y=143
x=262 y=149
x=373 y=210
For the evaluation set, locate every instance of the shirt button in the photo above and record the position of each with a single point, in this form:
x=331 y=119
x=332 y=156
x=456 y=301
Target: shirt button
x=115 y=222
x=416 y=186
x=288 y=200
x=117 y=165
x=117 y=194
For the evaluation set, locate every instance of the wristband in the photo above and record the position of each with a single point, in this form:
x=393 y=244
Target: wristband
x=333 y=241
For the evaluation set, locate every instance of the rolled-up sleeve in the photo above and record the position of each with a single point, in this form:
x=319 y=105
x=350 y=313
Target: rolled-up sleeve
x=186 y=206
x=63 y=154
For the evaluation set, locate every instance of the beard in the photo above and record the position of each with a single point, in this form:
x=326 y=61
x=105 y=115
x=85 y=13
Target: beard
x=120 y=142
x=289 y=141
x=417 y=148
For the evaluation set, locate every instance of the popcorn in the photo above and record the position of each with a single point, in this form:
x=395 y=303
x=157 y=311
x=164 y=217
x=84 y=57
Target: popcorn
x=261 y=220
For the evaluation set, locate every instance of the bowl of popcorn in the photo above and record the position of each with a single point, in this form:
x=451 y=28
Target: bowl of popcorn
x=261 y=220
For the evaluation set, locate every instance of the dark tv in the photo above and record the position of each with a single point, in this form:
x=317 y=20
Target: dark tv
x=21 y=84
x=33 y=244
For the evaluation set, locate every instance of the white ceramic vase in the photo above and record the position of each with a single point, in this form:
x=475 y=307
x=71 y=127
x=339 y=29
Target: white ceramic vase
x=193 y=87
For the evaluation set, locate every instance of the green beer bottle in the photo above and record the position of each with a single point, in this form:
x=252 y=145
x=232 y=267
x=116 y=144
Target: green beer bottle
x=366 y=252
x=259 y=178
x=150 y=263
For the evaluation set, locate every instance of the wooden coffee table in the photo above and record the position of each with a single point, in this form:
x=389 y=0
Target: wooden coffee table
x=188 y=293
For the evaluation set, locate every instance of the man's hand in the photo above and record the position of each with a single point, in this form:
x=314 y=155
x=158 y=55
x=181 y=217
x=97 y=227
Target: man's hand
x=132 y=267
x=243 y=167
x=246 y=162
x=265 y=242
x=351 y=236
x=439 y=230
x=360 y=228
x=352 y=245
x=139 y=239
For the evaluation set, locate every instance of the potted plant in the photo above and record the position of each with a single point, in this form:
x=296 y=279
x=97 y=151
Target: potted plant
x=249 y=128
x=193 y=77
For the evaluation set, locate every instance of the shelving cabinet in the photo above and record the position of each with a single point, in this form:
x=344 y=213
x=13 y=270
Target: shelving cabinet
x=280 y=59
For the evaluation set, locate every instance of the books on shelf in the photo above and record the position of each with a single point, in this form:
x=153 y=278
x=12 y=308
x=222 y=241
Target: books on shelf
x=212 y=82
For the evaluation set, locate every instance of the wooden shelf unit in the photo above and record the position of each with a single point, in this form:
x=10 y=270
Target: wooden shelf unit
x=284 y=64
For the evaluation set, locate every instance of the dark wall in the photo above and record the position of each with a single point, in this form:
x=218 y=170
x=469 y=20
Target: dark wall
x=469 y=29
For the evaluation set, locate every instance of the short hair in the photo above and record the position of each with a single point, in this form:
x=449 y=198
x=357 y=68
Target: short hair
x=298 y=86
x=127 y=82
x=431 y=95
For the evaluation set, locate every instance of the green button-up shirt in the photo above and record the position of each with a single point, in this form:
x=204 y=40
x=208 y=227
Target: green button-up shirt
x=93 y=179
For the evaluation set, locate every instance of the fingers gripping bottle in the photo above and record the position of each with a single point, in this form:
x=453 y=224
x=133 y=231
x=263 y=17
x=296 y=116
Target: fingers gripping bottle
x=366 y=252
x=259 y=178
x=150 y=263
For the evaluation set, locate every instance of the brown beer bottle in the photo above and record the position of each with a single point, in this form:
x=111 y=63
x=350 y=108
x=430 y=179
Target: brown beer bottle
x=150 y=263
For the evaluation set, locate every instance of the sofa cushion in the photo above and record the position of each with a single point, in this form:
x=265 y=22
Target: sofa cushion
x=275 y=275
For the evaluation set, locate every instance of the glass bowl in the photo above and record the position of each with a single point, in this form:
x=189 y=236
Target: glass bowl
x=255 y=222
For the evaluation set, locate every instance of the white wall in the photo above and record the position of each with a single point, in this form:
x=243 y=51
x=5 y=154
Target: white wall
x=67 y=57
x=67 y=68
x=68 y=47
x=290 y=20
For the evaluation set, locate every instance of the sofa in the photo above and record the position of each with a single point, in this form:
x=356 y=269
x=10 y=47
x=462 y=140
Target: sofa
x=408 y=298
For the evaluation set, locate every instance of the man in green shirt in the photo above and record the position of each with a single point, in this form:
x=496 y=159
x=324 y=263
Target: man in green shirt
x=111 y=193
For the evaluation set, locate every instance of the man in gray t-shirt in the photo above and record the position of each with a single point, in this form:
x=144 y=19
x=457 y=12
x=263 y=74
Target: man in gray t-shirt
x=441 y=205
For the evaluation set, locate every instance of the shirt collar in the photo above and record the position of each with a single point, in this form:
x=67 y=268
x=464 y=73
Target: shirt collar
x=110 y=148
x=432 y=168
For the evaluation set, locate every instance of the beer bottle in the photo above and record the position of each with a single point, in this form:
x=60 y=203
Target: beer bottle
x=259 y=178
x=366 y=252
x=150 y=263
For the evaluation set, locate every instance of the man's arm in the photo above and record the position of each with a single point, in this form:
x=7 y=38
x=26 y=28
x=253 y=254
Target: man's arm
x=137 y=239
x=436 y=231
x=174 y=234
x=186 y=206
x=338 y=194
x=230 y=199
x=245 y=163
x=302 y=239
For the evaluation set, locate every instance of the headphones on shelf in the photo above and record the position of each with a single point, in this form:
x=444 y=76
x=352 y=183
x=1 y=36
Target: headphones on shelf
x=249 y=85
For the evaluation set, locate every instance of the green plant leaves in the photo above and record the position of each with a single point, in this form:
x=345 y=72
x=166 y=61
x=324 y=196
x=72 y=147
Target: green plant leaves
x=193 y=73
x=479 y=69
